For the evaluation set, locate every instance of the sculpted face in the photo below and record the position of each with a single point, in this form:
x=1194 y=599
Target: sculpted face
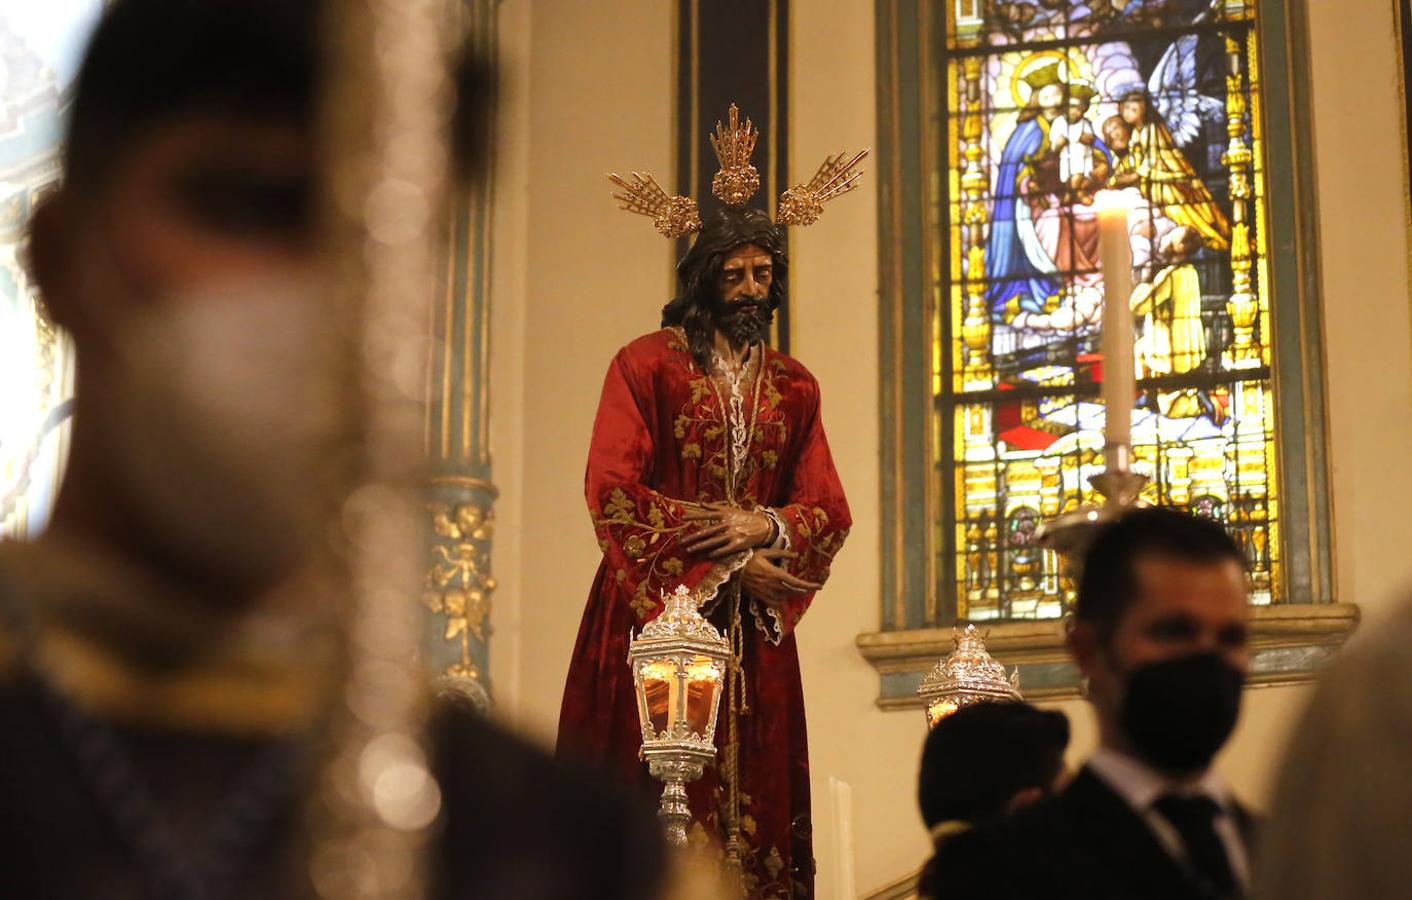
x=746 y=274
x=743 y=311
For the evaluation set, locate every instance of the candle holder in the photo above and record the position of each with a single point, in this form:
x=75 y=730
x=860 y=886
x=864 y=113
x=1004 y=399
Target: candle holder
x=1071 y=534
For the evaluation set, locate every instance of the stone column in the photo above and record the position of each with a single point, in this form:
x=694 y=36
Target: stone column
x=460 y=493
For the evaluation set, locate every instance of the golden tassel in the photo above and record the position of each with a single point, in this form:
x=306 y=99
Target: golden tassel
x=736 y=706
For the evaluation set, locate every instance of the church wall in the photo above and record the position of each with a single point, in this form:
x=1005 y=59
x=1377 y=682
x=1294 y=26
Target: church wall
x=589 y=91
x=1364 y=255
x=835 y=291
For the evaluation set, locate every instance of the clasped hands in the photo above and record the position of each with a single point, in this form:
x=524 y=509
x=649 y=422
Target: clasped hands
x=727 y=530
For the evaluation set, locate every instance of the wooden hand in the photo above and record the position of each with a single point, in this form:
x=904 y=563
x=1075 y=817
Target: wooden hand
x=728 y=530
x=770 y=584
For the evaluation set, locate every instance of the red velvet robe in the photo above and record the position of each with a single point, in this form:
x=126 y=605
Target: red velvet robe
x=662 y=438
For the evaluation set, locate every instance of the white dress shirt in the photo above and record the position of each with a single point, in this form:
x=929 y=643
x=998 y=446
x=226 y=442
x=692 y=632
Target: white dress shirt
x=1141 y=786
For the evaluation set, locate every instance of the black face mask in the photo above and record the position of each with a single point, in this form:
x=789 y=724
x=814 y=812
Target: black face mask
x=1178 y=713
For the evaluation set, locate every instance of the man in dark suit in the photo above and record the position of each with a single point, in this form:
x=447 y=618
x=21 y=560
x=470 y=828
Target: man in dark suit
x=1160 y=635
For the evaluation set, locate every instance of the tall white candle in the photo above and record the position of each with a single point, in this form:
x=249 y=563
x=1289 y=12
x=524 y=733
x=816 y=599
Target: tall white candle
x=1119 y=383
x=841 y=795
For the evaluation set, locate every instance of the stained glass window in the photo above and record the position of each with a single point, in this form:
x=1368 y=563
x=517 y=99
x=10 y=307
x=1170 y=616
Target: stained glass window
x=40 y=47
x=1046 y=103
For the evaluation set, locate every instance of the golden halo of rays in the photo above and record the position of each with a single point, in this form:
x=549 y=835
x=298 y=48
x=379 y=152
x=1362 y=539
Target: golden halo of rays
x=1073 y=66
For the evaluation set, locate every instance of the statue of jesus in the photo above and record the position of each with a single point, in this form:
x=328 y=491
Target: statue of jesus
x=709 y=468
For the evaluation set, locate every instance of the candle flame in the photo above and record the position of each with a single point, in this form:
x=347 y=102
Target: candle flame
x=1111 y=201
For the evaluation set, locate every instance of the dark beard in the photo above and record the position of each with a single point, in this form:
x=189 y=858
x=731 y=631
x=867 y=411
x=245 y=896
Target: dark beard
x=744 y=322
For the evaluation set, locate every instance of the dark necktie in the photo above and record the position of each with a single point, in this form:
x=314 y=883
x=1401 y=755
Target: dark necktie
x=1194 y=818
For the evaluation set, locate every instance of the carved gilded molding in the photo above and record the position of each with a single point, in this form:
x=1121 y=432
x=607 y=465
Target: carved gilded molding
x=458 y=582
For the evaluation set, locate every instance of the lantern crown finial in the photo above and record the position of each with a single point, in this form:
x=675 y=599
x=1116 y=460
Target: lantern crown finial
x=968 y=675
x=681 y=620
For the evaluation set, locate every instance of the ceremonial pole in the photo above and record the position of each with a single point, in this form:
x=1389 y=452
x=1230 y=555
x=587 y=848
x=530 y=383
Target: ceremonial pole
x=385 y=112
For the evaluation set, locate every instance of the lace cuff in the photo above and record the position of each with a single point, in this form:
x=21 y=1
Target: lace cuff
x=773 y=630
x=708 y=589
x=781 y=541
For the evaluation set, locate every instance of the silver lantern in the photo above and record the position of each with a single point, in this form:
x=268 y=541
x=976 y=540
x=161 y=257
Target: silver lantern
x=678 y=665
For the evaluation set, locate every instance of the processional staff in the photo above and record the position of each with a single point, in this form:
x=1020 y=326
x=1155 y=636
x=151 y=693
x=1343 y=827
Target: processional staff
x=384 y=128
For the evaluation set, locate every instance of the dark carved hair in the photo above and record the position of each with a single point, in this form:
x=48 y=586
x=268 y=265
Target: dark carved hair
x=151 y=61
x=723 y=231
x=1108 y=585
x=978 y=758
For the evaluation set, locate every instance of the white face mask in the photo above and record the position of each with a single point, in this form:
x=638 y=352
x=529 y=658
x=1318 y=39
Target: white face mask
x=223 y=420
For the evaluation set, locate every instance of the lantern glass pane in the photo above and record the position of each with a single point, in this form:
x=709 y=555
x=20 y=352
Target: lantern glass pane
x=657 y=677
x=702 y=690
x=940 y=709
x=658 y=694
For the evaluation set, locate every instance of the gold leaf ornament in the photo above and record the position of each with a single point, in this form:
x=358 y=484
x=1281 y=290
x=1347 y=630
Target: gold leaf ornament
x=804 y=203
x=738 y=180
x=673 y=216
x=676 y=216
x=774 y=863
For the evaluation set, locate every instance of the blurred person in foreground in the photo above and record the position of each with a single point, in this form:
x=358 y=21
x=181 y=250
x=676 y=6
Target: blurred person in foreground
x=163 y=690
x=984 y=762
x=1160 y=635
x=1341 y=821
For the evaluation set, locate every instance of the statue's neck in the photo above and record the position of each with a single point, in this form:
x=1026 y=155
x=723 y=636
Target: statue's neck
x=729 y=351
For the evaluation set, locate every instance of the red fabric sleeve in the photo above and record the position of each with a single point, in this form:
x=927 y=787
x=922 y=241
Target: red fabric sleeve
x=816 y=519
x=640 y=529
